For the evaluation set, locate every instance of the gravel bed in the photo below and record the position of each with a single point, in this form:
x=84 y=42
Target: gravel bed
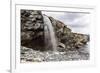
x=30 y=55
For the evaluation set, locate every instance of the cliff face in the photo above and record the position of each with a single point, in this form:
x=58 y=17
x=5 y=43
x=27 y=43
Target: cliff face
x=32 y=29
x=33 y=33
x=70 y=39
x=37 y=44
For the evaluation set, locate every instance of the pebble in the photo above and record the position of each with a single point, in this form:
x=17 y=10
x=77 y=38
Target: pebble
x=38 y=56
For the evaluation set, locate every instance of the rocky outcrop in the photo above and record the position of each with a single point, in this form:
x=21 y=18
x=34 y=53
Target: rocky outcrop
x=32 y=29
x=33 y=33
x=70 y=39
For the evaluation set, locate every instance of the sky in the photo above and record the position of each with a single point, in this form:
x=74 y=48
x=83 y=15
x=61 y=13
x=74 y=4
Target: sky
x=78 y=22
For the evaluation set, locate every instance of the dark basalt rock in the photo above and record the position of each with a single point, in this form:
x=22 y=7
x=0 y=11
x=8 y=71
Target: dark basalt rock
x=32 y=32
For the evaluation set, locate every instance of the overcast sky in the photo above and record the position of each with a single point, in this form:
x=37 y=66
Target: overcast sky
x=79 y=22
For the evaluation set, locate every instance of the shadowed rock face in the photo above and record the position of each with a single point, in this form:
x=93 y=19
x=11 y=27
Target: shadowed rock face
x=32 y=29
x=33 y=33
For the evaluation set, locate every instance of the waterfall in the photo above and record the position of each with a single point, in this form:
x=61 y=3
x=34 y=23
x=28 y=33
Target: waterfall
x=49 y=30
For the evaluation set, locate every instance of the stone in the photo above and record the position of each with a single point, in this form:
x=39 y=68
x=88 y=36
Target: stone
x=61 y=45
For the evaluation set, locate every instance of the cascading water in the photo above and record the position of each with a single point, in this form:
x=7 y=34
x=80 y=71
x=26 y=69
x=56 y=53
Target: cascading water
x=49 y=30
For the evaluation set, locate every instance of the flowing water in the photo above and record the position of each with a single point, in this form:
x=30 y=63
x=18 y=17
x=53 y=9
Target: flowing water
x=50 y=31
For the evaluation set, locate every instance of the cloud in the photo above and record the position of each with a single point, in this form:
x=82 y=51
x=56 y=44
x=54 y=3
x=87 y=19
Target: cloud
x=73 y=20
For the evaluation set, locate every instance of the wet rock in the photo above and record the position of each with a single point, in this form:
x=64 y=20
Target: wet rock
x=32 y=55
x=61 y=45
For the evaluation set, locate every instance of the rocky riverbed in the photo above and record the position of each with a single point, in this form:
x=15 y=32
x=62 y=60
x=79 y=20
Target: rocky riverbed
x=30 y=55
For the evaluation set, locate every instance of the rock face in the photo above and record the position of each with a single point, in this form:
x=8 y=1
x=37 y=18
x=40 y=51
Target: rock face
x=37 y=39
x=33 y=33
x=70 y=39
x=32 y=29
